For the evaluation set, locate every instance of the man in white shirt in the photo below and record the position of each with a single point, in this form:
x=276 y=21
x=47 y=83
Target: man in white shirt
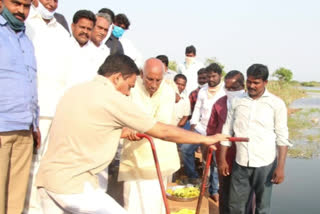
x=100 y=31
x=52 y=45
x=182 y=107
x=86 y=57
x=262 y=117
x=142 y=194
x=190 y=68
x=207 y=97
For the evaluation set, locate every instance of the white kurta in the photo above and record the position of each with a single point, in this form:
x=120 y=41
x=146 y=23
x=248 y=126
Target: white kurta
x=52 y=50
x=86 y=61
x=131 y=51
x=182 y=108
x=142 y=194
x=191 y=72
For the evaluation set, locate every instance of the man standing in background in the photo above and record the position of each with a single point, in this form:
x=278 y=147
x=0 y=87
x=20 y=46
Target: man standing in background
x=262 y=117
x=49 y=38
x=19 y=110
x=189 y=68
x=234 y=87
x=86 y=57
x=202 y=81
x=182 y=107
x=99 y=33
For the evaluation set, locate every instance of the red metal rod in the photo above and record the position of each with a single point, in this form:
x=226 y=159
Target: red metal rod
x=204 y=179
x=238 y=139
x=156 y=161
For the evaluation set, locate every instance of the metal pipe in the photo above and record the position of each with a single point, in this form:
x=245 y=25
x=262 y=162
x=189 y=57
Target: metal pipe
x=156 y=161
x=206 y=170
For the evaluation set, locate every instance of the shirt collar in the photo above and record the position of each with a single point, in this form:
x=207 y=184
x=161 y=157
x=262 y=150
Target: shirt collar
x=266 y=93
x=2 y=21
x=103 y=80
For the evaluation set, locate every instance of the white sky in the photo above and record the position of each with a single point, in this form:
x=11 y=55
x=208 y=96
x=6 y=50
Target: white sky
x=277 y=33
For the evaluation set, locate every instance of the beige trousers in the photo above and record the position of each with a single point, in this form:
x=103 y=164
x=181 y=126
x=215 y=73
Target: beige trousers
x=16 y=150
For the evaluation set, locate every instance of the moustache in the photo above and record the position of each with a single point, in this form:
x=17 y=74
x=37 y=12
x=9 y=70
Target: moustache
x=85 y=34
x=21 y=15
x=251 y=89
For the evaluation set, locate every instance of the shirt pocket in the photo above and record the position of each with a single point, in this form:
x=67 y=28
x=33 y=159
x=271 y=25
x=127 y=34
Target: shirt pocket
x=8 y=57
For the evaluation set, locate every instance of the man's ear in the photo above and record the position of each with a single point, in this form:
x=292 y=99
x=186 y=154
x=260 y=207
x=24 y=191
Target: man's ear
x=72 y=27
x=115 y=78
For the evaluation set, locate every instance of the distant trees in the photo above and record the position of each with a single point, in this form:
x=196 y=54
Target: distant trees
x=214 y=60
x=283 y=74
x=173 y=65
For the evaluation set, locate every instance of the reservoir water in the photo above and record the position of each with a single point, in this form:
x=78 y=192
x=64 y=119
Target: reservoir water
x=300 y=192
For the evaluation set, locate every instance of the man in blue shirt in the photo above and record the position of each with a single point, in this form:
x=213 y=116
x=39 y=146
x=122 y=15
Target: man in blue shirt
x=19 y=111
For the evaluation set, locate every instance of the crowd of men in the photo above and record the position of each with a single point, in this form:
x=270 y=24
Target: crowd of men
x=67 y=100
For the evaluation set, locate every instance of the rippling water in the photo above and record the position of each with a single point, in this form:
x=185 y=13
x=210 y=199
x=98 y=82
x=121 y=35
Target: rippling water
x=300 y=192
x=312 y=101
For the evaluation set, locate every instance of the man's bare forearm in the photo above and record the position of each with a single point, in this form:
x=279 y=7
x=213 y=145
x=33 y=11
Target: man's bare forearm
x=178 y=135
x=282 y=155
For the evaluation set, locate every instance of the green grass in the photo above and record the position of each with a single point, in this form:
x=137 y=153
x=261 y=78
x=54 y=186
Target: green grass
x=286 y=91
x=299 y=123
x=313 y=91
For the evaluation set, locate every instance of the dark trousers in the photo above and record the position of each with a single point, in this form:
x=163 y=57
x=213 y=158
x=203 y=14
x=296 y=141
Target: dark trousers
x=245 y=180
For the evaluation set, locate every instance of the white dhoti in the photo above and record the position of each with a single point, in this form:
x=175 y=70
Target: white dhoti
x=144 y=197
x=32 y=203
x=91 y=201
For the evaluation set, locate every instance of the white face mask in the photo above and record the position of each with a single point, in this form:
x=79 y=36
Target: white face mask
x=232 y=94
x=44 y=12
x=201 y=86
x=189 y=60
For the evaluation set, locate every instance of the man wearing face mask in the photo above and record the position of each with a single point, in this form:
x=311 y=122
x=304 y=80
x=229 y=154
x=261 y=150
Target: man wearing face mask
x=19 y=110
x=121 y=23
x=202 y=81
x=59 y=17
x=49 y=38
x=234 y=87
x=189 y=68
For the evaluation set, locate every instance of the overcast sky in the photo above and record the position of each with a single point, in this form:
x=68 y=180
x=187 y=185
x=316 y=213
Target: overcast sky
x=238 y=33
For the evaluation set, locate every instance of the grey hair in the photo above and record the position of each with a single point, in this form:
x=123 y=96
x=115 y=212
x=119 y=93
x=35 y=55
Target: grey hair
x=106 y=16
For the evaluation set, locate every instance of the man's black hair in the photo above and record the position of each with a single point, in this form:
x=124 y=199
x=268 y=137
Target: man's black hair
x=118 y=63
x=180 y=76
x=86 y=14
x=164 y=59
x=191 y=49
x=202 y=71
x=258 y=71
x=122 y=19
x=107 y=11
x=237 y=74
x=214 y=67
